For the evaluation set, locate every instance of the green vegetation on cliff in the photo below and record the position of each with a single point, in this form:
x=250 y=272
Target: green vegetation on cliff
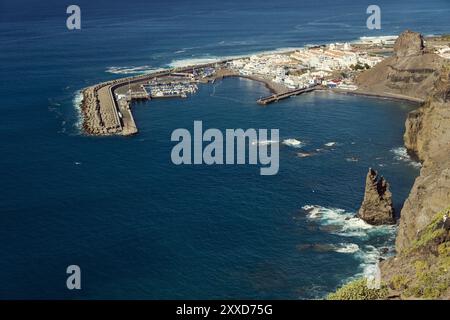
x=358 y=290
x=429 y=258
x=434 y=233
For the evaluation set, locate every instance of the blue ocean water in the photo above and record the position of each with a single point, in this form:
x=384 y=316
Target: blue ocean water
x=140 y=227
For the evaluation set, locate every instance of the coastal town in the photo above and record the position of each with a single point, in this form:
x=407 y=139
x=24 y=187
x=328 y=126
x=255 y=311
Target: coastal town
x=331 y=66
x=106 y=107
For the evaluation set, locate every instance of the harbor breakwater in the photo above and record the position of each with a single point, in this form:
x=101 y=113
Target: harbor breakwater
x=105 y=114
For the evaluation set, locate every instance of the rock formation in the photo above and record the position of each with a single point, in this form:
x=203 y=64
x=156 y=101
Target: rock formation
x=377 y=208
x=409 y=44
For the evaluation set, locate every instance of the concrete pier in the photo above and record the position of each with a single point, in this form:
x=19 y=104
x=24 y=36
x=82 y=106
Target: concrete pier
x=281 y=96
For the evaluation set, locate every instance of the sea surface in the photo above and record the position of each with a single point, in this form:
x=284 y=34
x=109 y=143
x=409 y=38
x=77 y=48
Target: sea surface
x=139 y=226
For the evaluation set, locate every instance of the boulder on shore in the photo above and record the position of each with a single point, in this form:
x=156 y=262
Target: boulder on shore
x=377 y=208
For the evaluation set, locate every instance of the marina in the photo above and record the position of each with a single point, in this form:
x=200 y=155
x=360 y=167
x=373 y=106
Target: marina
x=107 y=106
x=169 y=90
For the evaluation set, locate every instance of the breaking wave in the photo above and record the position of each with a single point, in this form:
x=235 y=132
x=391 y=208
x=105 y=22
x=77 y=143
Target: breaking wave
x=305 y=154
x=343 y=247
x=193 y=61
x=401 y=154
x=369 y=257
x=345 y=224
x=132 y=70
x=293 y=143
x=77 y=100
x=347 y=248
x=180 y=63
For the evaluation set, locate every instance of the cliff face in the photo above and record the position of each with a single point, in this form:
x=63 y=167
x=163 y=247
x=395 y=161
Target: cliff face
x=414 y=72
x=377 y=208
x=428 y=136
x=425 y=132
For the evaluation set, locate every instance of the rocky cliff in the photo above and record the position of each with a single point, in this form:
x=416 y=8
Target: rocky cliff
x=377 y=208
x=428 y=136
x=415 y=72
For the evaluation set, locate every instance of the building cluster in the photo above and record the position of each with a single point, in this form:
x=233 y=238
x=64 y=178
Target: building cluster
x=380 y=41
x=306 y=67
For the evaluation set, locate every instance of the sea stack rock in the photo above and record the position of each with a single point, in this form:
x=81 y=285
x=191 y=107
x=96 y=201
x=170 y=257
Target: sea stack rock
x=377 y=208
x=409 y=44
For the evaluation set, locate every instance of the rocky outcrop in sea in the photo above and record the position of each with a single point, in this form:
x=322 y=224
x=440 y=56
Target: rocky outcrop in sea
x=377 y=208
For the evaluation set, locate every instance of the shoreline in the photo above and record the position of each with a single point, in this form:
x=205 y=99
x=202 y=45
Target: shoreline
x=383 y=96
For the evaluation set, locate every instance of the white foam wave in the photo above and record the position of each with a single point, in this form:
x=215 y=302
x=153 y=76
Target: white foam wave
x=369 y=257
x=401 y=154
x=76 y=101
x=181 y=63
x=344 y=223
x=304 y=154
x=194 y=61
x=347 y=248
x=132 y=70
x=293 y=143
x=330 y=144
